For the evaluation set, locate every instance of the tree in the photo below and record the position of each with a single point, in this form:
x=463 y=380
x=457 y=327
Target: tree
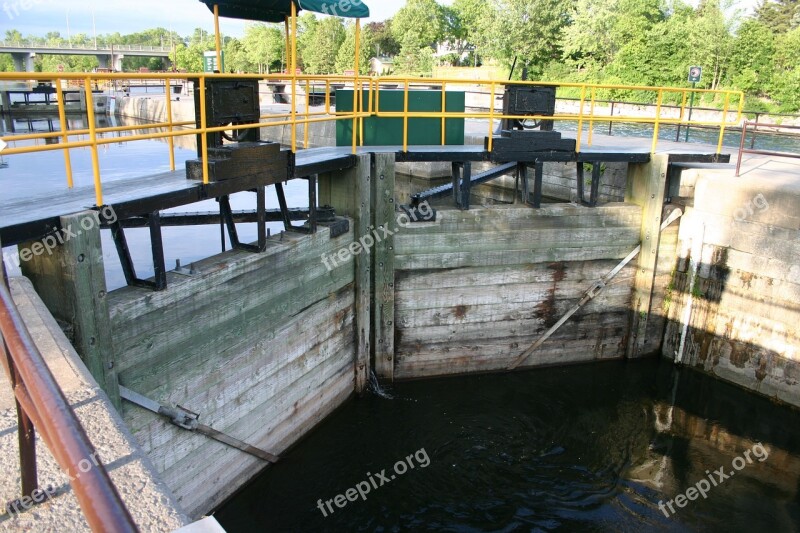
x=414 y=58
x=423 y=18
x=468 y=23
x=345 y=59
x=779 y=15
x=786 y=77
x=751 y=61
x=264 y=47
x=385 y=43
x=529 y=30
x=321 y=46
x=710 y=41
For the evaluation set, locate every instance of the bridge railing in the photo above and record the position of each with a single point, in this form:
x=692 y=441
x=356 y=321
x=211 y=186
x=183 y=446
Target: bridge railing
x=366 y=104
x=34 y=45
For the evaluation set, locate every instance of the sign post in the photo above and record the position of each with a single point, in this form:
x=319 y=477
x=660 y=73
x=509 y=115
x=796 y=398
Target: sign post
x=210 y=64
x=695 y=75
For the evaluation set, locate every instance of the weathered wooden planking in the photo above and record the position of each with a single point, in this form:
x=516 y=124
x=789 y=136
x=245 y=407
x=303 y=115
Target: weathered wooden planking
x=507 y=329
x=168 y=366
x=384 y=257
x=78 y=264
x=212 y=383
x=501 y=275
x=497 y=357
x=518 y=294
x=550 y=216
x=259 y=426
x=128 y=304
x=227 y=471
x=243 y=417
x=203 y=318
x=350 y=193
x=488 y=314
x=490 y=239
x=647 y=186
x=425 y=261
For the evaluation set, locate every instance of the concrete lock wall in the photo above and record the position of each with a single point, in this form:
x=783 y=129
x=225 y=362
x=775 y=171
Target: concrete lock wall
x=736 y=284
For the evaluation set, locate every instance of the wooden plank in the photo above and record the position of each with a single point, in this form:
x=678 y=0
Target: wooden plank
x=549 y=216
x=190 y=478
x=492 y=314
x=646 y=188
x=254 y=411
x=385 y=224
x=491 y=240
x=409 y=280
x=200 y=486
x=425 y=261
x=75 y=270
x=350 y=193
x=216 y=384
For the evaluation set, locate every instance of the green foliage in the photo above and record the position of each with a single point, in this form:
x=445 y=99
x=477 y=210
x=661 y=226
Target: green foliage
x=529 y=30
x=345 y=59
x=779 y=15
x=263 y=48
x=425 y=19
x=414 y=58
x=321 y=42
x=382 y=38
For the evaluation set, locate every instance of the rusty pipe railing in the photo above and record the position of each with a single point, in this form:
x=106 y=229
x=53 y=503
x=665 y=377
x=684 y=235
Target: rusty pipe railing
x=42 y=406
x=743 y=150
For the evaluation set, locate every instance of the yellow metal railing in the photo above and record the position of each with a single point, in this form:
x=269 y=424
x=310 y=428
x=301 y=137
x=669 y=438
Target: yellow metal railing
x=306 y=116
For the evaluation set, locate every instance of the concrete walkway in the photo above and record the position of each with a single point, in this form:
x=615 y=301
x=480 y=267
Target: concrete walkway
x=149 y=500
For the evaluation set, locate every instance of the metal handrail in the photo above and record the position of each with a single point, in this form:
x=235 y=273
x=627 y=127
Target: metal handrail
x=41 y=404
x=743 y=150
x=87 y=47
x=364 y=87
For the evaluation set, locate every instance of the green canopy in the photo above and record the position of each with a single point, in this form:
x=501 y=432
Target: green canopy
x=278 y=10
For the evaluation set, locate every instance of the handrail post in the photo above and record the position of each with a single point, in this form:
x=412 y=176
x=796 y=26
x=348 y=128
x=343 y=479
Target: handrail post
x=657 y=124
x=741 y=148
x=444 y=110
x=580 y=120
x=98 y=187
x=170 y=139
x=405 y=117
x=493 y=89
x=62 y=118
x=203 y=128
x=724 y=121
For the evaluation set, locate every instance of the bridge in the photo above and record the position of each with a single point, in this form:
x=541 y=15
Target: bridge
x=108 y=55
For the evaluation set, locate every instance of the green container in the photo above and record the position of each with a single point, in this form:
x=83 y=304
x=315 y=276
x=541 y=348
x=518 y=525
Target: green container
x=389 y=131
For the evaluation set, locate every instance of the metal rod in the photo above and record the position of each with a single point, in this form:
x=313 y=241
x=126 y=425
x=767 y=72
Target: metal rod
x=691 y=108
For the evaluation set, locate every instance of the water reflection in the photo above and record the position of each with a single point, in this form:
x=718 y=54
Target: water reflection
x=581 y=448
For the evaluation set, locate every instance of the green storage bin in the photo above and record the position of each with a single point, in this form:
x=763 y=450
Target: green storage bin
x=389 y=131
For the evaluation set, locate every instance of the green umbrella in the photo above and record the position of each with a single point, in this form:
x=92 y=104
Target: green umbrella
x=278 y=10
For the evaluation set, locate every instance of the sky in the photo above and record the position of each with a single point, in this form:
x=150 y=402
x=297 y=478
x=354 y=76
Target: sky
x=130 y=16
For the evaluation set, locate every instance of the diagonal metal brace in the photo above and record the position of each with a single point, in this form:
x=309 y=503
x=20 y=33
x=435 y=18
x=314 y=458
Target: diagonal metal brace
x=183 y=418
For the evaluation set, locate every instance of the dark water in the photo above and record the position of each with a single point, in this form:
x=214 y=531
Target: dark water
x=582 y=448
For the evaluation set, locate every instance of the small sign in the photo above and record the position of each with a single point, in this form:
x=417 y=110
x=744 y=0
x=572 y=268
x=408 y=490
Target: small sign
x=3 y=145
x=695 y=74
x=210 y=62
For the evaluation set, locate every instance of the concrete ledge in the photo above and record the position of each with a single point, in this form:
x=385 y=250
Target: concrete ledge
x=150 y=502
